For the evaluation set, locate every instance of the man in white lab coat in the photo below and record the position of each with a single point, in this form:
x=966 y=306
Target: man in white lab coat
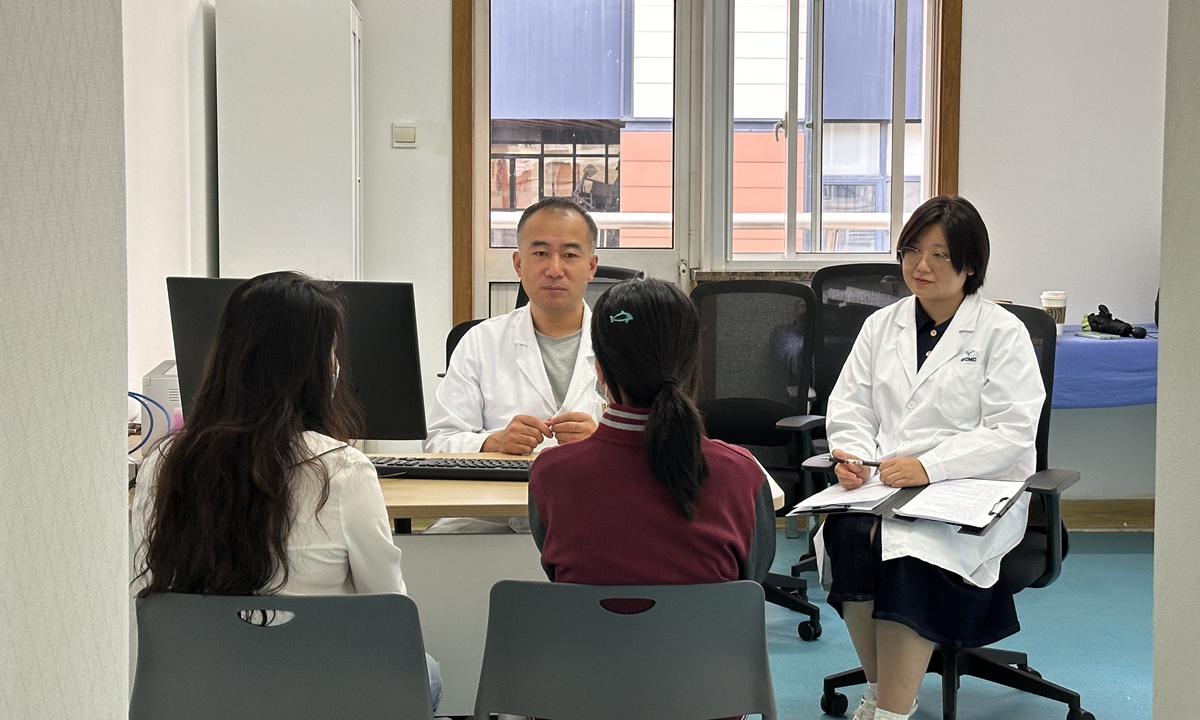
x=526 y=380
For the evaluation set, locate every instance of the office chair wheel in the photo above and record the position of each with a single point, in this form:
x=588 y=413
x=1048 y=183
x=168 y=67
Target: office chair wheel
x=1080 y=714
x=834 y=703
x=1030 y=670
x=809 y=630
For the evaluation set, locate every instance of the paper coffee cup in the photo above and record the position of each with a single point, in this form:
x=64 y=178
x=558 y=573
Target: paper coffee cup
x=1054 y=302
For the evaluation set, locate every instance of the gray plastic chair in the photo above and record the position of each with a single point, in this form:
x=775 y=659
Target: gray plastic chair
x=353 y=656
x=554 y=652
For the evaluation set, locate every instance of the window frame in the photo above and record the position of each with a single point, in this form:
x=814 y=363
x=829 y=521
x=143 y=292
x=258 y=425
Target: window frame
x=694 y=206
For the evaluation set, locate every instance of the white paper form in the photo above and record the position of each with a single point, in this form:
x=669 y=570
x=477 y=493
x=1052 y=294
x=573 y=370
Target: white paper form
x=864 y=497
x=970 y=502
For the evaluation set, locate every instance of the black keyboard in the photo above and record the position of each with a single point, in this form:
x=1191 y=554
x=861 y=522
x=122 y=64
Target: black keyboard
x=451 y=468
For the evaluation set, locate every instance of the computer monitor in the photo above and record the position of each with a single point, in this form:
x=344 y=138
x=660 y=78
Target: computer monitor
x=380 y=361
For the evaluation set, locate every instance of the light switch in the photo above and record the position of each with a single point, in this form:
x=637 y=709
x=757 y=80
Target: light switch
x=404 y=136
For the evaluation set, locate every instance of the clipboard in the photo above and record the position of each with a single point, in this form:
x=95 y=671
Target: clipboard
x=900 y=499
x=887 y=508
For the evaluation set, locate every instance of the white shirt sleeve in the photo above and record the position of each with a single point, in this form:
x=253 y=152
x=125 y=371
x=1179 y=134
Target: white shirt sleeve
x=374 y=557
x=456 y=418
x=851 y=423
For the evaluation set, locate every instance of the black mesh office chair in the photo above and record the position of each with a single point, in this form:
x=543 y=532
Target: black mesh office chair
x=606 y=276
x=755 y=365
x=846 y=296
x=1035 y=562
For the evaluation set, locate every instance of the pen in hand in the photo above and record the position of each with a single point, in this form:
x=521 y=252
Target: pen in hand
x=855 y=461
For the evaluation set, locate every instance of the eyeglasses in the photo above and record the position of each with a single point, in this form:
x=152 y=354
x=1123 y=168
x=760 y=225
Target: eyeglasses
x=911 y=257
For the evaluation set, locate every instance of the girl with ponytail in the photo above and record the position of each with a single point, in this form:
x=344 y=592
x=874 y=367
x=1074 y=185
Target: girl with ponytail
x=648 y=499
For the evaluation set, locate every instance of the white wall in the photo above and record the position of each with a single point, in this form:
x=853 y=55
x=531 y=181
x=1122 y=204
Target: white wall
x=1112 y=448
x=286 y=142
x=1061 y=147
x=170 y=108
x=1061 y=151
x=63 y=527
x=1176 y=565
x=406 y=192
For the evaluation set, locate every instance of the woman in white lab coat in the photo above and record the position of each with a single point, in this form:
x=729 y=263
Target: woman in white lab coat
x=939 y=386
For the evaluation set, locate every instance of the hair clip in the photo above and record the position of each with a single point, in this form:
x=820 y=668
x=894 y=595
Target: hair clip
x=621 y=317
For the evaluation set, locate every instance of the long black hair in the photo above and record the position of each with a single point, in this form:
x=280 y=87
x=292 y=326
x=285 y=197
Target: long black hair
x=646 y=336
x=222 y=508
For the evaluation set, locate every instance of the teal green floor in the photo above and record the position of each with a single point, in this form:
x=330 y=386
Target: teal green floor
x=1089 y=631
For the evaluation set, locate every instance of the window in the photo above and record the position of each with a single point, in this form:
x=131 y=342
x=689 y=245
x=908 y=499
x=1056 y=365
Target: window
x=534 y=159
x=623 y=104
x=807 y=190
x=581 y=107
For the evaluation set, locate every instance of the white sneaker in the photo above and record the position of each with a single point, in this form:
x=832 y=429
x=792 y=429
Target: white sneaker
x=866 y=710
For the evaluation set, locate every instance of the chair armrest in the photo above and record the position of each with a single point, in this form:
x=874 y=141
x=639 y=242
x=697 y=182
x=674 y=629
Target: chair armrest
x=1050 y=484
x=1052 y=481
x=819 y=463
x=800 y=423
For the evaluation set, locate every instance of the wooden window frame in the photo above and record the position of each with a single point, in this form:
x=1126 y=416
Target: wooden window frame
x=462 y=52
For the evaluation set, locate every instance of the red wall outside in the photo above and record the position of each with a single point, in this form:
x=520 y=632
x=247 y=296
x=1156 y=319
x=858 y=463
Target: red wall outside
x=758 y=185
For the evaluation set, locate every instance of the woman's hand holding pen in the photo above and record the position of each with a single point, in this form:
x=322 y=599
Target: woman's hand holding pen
x=902 y=472
x=897 y=472
x=850 y=475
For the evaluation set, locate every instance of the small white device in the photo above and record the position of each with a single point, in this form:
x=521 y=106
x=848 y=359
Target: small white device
x=161 y=384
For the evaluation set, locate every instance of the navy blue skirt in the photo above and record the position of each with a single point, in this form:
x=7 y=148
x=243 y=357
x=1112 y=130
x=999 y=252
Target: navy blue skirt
x=936 y=603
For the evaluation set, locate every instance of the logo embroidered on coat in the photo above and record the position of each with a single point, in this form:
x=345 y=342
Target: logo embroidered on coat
x=969 y=356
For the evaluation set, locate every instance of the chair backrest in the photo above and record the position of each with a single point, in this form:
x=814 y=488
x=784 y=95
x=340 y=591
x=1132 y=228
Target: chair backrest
x=756 y=350
x=1044 y=335
x=1045 y=338
x=554 y=651
x=846 y=297
x=1027 y=565
x=606 y=276
x=351 y=656
x=456 y=334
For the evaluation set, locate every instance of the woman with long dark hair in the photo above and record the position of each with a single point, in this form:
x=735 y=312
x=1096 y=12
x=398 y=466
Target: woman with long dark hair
x=648 y=499
x=261 y=493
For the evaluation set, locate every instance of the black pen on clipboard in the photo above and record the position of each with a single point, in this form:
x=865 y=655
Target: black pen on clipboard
x=855 y=461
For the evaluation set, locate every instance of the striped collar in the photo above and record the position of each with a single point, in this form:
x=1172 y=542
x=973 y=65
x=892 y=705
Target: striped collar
x=623 y=417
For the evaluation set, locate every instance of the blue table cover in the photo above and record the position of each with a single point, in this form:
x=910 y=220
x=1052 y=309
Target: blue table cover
x=1091 y=373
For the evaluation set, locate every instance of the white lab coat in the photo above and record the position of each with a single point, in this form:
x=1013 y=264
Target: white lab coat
x=971 y=411
x=496 y=372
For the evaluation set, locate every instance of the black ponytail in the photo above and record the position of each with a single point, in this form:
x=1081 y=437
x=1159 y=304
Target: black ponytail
x=646 y=336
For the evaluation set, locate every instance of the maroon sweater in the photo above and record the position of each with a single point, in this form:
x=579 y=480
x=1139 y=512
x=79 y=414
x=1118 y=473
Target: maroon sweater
x=600 y=517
